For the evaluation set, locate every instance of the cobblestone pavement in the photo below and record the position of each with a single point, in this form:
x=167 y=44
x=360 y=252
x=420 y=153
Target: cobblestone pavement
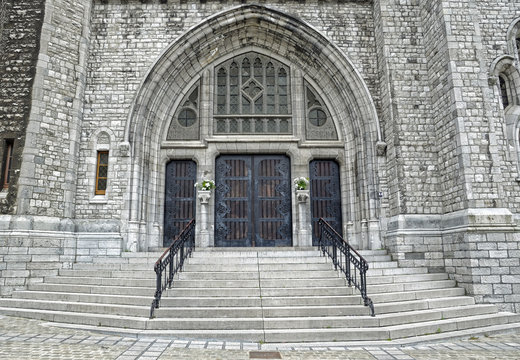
x=31 y=339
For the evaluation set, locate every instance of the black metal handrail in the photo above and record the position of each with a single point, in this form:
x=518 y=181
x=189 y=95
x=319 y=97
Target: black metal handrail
x=346 y=258
x=173 y=260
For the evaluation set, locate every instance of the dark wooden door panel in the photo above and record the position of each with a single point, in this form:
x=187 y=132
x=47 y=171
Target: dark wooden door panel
x=179 y=205
x=272 y=199
x=253 y=201
x=233 y=201
x=325 y=195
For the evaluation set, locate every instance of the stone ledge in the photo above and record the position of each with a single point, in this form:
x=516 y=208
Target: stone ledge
x=487 y=220
x=45 y=224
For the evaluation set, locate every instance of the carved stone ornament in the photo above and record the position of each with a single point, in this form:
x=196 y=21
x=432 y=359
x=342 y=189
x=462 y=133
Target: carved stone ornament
x=204 y=196
x=380 y=148
x=124 y=149
x=302 y=195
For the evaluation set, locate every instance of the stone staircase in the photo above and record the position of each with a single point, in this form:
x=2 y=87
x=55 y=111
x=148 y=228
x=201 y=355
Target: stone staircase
x=267 y=295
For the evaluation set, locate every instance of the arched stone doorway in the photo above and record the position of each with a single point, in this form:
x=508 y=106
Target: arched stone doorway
x=183 y=112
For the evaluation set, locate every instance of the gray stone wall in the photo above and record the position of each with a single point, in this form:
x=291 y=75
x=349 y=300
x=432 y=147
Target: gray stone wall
x=496 y=17
x=406 y=109
x=441 y=100
x=20 y=26
x=127 y=37
x=27 y=256
x=48 y=174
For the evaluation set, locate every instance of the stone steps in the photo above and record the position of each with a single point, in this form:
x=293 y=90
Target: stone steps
x=271 y=295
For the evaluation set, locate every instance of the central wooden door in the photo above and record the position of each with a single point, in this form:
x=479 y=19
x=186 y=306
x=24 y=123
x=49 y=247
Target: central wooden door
x=253 y=201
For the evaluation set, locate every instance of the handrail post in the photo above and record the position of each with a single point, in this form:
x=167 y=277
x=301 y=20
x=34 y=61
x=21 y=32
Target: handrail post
x=335 y=254
x=158 y=286
x=347 y=268
x=181 y=259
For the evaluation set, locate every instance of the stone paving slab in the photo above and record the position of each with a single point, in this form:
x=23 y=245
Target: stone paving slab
x=32 y=339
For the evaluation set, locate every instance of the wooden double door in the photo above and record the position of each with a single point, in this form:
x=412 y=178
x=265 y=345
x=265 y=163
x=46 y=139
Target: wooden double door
x=253 y=201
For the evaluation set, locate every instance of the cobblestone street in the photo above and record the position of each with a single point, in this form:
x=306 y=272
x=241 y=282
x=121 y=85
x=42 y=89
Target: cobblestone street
x=30 y=339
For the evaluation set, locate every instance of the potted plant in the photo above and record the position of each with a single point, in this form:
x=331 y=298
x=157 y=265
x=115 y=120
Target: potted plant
x=204 y=190
x=301 y=185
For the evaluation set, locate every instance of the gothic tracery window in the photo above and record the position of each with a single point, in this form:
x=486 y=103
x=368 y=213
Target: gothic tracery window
x=253 y=96
x=185 y=124
x=319 y=125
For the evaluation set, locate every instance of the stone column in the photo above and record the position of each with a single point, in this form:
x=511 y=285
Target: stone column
x=304 y=238
x=203 y=239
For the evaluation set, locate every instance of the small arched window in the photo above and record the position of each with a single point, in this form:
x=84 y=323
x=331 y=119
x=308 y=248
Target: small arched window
x=503 y=91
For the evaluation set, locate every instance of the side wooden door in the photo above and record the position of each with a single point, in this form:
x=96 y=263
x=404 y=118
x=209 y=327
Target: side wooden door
x=180 y=198
x=325 y=192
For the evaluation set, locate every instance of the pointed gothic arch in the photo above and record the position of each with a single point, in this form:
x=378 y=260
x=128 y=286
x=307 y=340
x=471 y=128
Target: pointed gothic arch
x=189 y=60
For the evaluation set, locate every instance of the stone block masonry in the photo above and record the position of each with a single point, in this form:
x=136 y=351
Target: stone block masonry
x=480 y=249
x=48 y=173
x=32 y=248
x=127 y=37
x=442 y=186
x=20 y=27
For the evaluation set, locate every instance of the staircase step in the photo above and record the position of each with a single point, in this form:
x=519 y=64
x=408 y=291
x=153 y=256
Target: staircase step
x=440 y=326
x=261 y=294
x=264 y=283
x=91 y=289
x=266 y=292
x=77 y=307
x=410 y=286
x=129 y=274
x=415 y=295
x=218 y=253
x=337 y=300
x=123 y=322
x=188 y=267
x=395 y=271
x=199 y=323
x=393 y=279
x=196 y=301
x=251 y=260
x=251 y=275
x=83 y=297
x=107 y=281
x=365 y=253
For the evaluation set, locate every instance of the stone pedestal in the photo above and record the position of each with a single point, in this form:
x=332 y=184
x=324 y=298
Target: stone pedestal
x=304 y=228
x=202 y=240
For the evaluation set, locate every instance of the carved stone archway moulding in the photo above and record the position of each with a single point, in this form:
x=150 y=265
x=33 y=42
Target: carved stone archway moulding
x=191 y=57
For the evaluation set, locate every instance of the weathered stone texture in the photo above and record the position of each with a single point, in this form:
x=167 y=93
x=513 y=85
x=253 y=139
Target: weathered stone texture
x=128 y=37
x=489 y=275
x=48 y=173
x=496 y=17
x=20 y=26
x=405 y=114
x=426 y=65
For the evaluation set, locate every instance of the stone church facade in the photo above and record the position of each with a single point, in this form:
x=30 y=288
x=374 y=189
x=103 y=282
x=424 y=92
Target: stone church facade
x=403 y=114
